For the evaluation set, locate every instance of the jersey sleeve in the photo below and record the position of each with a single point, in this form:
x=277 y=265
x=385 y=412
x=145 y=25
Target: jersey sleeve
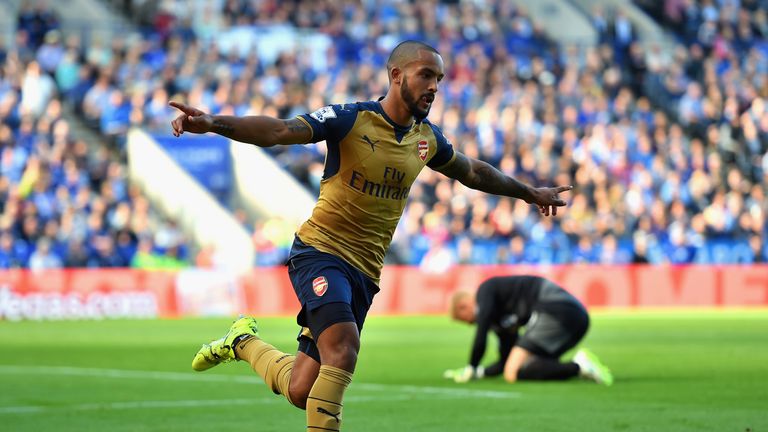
x=483 y=322
x=506 y=342
x=444 y=154
x=331 y=122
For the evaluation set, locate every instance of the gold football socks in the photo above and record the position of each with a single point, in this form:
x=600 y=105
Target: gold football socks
x=273 y=365
x=324 y=401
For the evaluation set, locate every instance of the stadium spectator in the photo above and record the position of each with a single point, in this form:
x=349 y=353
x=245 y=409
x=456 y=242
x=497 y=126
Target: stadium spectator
x=147 y=257
x=43 y=258
x=554 y=322
x=8 y=254
x=35 y=20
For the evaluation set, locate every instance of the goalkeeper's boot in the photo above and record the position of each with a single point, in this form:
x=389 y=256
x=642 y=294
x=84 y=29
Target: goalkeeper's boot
x=591 y=367
x=223 y=350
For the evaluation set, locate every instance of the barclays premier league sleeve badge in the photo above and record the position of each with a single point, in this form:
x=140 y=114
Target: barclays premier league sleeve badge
x=323 y=114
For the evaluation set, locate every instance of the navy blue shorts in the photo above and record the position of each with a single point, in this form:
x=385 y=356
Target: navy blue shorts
x=330 y=291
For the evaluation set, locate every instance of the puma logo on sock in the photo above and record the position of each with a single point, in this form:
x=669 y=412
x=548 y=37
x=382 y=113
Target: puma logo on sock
x=322 y=410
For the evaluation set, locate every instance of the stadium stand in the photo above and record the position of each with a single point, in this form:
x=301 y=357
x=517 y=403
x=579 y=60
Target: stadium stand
x=65 y=202
x=667 y=153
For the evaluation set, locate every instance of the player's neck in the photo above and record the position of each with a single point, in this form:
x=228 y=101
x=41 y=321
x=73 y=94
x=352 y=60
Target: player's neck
x=397 y=112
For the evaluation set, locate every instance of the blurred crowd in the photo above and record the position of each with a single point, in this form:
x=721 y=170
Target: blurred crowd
x=64 y=201
x=666 y=146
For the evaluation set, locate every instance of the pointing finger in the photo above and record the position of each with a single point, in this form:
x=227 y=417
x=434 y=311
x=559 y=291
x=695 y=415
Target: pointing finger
x=186 y=109
x=563 y=188
x=179 y=106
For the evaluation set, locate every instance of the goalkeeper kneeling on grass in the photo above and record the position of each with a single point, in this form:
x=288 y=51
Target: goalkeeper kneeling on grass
x=554 y=321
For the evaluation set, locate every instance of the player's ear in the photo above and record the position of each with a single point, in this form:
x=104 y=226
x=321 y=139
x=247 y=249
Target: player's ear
x=397 y=75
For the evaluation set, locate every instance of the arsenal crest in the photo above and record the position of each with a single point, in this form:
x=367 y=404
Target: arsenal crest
x=423 y=150
x=320 y=285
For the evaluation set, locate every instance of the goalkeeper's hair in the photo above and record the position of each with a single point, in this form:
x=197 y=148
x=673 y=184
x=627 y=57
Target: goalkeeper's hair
x=456 y=298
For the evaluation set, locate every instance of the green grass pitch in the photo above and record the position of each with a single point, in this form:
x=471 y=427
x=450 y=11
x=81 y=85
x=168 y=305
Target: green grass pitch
x=675 y=371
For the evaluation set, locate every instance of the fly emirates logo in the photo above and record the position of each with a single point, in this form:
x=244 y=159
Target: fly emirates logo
x=391 y=187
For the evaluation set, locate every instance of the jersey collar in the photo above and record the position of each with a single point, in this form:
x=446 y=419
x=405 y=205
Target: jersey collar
x=398 y=127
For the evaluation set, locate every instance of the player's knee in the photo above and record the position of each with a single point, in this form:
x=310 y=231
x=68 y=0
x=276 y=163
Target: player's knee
x=340 y=351
x=512 y=372
x=343 y=355
x=510 y=376
x=299 y=390
x=518 y=359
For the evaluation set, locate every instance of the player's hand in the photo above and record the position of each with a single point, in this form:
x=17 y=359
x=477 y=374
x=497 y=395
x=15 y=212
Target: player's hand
x=464 y=375
x=190 y=120
x=451 y=373
x=548 y=199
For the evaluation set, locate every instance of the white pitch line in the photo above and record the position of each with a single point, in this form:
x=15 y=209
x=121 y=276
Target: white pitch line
x=126 y=373
x=445 y=391
x=449 y=392
x=34 y=409
x=195 y=403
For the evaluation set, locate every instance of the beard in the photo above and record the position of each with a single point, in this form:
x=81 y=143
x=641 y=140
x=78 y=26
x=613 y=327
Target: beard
x=412 y=102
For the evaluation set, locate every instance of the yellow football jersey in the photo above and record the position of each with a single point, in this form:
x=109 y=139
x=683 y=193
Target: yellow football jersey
x=369 y=169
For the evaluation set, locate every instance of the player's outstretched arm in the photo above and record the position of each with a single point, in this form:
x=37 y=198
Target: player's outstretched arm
x=262 y=131
x=479 y=175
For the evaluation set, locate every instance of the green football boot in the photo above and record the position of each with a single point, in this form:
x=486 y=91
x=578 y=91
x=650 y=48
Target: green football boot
x=223 y=350
x=591 y=367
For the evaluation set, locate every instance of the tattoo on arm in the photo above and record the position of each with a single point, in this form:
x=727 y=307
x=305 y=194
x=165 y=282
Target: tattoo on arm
x=483 y=177
x=297 y=132
x=459 y=169
x=296 y=126
x=489 y=179
x=262 y=131
x=222 y=127
x=486 y=175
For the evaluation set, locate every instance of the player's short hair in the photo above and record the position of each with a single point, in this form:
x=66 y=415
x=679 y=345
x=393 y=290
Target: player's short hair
x=405 y=52
x=455 y=299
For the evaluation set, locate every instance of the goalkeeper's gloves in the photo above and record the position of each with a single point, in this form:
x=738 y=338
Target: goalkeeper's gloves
x=465 y=374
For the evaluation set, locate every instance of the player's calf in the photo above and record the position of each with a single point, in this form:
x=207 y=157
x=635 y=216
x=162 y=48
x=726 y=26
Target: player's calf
x=540 y=368
x=305 y=371
x=324 y=403
x=338 y=345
